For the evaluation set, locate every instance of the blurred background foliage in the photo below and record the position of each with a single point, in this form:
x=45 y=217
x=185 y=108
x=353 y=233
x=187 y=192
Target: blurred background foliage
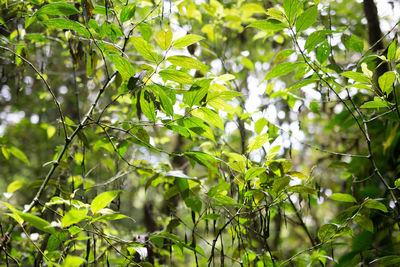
x=237 y=133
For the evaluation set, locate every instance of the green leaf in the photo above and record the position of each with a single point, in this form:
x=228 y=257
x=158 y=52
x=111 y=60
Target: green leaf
x=111 y=217
x=194 y=203
x=375 y=104
x=315 y=39
x=188 y=63
x=397 y=183
x=127 y=12
x=14 y=186
x=204 y=159
x=147 y=105
x=257 y=142
x=209 y=116
x=342 y=197
x=101 y=201
x=65 y=24
x=282 y=69
x=247 y=63
x=356 y=43
x=260 y=124
x=145 y=31
x=73 y=216
x=391 y=50
x=197 y=126
x=19 y=154
x=386 y=81
x=73 y=230
x=254 y=172
x=223 y=200
x=364 y=222
x=144 y=48
x=167 y=102
x=306 y=19
x=195 y=95
x=268 y=25
x=323 y=52
x=327 y=231
x=55 y=240
x=176 y=76
x=123 y=66
x=57 y=9
x=187 y=40
x=387 y=260
x=302 y=189
x=374 y=204
x=280 y=184
x=36 y=222
x=164 y=39
x=73 y=261
x=356 y=76
x=291 y=7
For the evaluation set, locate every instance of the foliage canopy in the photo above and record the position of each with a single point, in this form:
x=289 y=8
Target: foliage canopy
x=195 y=133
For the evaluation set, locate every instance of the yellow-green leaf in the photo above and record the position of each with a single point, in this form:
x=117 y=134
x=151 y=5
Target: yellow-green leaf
x=144 y=48
x=187 y=40
x=342 y=197
x=164 y=39
x=209 y=116
x=101 y=201
x=257 y=142
x=14 y=186
x=386 y=81
x=176 y=76
x=19 y=154
x=188 y=63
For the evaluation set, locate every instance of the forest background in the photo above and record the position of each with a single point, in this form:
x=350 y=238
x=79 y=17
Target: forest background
x=199 y=133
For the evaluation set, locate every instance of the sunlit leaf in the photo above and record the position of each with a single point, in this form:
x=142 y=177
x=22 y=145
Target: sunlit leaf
x=73 y=216
x=57 y=9
x=164 y=39
x=257 y=142
x=127 y=12
x=19 y=154
x=342 y=197
x=268 y=25
x=144 y=48
x=187 y=63
x=187 y=40
x=306 y=19
x=176 y=76
x=101 y=201
x=209 y=116
x=386 y=81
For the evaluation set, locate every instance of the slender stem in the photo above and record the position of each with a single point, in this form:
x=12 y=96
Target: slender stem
x=45 y=82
